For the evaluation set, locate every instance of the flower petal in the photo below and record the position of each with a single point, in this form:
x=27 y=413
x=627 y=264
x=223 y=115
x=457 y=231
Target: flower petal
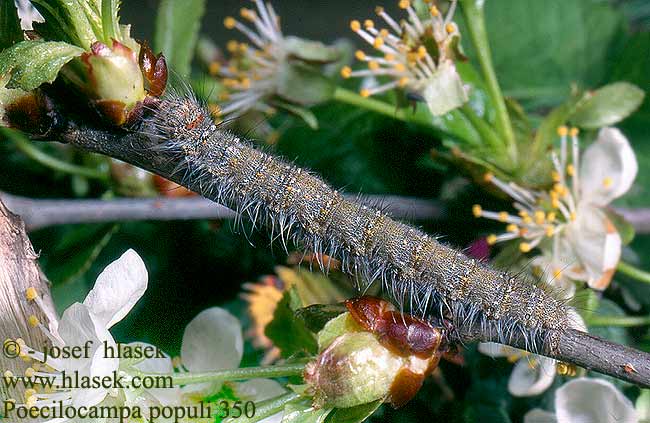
x=118 y=288
x=259 y=389
x=493 y=349
x=78 y=327
x=596 y=243
x=531 y=376
x=608 y=168
x=212 y=341
x=537 y=415
x=592 y=400
x=166 y=396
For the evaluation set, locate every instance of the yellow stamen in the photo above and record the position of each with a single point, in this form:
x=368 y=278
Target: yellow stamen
x=450 y=28
x=562 y=131
x=360 y=55
x=404 y=4
x=403 y=81
x=512 y=358
x=434 y=11
x=570 y=170
x=33 y=321
x=524 y=247
x=229 y=22
x=512 y=228
x=574 y=132
x=488 y=177
x=368 y=24
x=550 y=231
x=214 y=68
x=384 y=33
x=365 y=92
x=355 y=25
x=477 y=210
x=379 y=10
x=572 y=216
x=557 y=272
x=503 y=216
x=176 y=362
x=607 y=182
x=399 y=67
x=31 y=294
x=422 y=52
x=378 y=42
x=555 y=176
x=30 y=372
x=491 y=239
x=346 y=72
x=540 y=216
x=389 y=57
x=248 y=14
x=372 y=65
x=551 y=217
x=215 y=110
x=232 y=46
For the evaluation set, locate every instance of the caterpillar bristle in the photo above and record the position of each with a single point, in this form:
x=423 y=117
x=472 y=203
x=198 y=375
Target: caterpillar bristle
x=420 y=274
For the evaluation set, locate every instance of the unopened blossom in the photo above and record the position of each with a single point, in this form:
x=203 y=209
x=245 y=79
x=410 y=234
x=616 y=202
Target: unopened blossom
x=568 y=223
x=586 y=400
x=269 y=66
x=116 y=291
x=371 y=353
x=416 y=54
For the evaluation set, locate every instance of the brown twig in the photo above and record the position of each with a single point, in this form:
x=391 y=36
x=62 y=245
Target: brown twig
x=589 y=352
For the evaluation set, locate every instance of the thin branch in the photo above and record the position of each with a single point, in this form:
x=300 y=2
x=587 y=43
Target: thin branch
x=591 y=353
x=41 y=213
x=574 y=347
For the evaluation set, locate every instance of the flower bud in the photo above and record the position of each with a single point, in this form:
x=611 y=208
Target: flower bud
x=358 y=365
x=355 y=369
x=115 y=80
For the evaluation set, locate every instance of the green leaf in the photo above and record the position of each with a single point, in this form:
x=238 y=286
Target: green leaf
x=607 y=105
x=11 y=33
x=642 y=406
x=316 y=316
x=305 y=114
x=303 y=84
x=32 y=63
x=77 y=22
x=177 y=28
x=356 y=414
x=615 y=334
x=287 y=332
x=303 y=412
x=540 y=48
x=311 y=51
x=110 y=19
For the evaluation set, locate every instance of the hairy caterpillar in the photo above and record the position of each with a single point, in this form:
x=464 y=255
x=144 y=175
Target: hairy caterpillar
x=419 y=273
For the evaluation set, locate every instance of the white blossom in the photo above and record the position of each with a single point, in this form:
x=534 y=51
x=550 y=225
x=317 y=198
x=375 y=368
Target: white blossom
x=587 y=400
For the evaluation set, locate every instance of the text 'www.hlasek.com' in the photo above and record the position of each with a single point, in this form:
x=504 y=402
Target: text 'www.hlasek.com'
x=68 y=393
